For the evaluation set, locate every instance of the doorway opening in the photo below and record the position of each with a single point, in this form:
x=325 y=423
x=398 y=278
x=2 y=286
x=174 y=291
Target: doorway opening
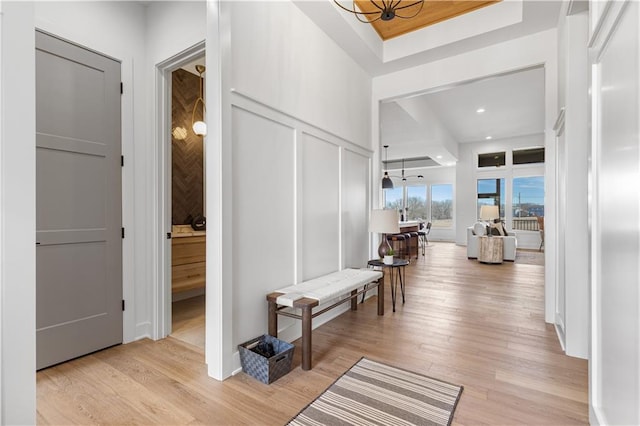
x=188 y=223
x=181 y=283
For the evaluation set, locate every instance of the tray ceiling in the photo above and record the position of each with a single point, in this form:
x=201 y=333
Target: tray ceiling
x=432 y=12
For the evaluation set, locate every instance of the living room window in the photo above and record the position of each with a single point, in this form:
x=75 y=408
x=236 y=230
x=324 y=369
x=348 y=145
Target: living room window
x=416 y=202
x=442 y=206
x=492 y=159
x=528 y=156
x=393 y=198
x=432 y=203
x=527 y=202
x=491 y=192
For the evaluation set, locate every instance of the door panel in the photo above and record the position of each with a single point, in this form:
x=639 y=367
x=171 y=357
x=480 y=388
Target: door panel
x=78 y=201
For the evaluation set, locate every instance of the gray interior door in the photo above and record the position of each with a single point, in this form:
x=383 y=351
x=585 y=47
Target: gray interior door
x=78 y=201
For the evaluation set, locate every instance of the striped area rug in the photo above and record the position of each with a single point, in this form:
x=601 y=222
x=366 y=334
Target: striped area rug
x=371 y=393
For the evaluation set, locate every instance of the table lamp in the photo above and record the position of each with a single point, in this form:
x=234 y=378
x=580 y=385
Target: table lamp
x=384 y=222
x=489 y=213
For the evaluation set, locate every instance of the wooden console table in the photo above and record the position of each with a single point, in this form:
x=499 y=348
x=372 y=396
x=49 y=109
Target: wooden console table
x=491 y=249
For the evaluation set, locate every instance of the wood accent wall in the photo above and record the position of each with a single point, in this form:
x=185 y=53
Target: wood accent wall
x=186 y=154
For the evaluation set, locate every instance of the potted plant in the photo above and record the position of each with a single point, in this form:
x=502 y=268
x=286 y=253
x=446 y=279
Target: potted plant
x=388 y=258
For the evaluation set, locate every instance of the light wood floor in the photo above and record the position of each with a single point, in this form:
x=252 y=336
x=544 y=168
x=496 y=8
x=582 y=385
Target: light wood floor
x=472 y=324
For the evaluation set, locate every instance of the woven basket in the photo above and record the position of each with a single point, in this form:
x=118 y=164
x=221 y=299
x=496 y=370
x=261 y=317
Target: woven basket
x=267 y=370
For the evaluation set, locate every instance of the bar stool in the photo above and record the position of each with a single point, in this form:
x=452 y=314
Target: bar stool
x=399 y=241
x=422 y=235
x=414 y=243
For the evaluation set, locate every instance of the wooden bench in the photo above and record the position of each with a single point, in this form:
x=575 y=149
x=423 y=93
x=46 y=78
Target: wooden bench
x=331 y=289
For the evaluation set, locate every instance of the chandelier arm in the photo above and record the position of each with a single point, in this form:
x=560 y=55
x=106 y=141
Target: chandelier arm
x=412 y=16
x=408 y=5
x=394 y=6
x=382 y=9
x=355 y=12
x=367 y=21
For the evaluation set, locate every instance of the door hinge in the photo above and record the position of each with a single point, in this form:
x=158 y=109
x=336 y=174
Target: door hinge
x=168 y=235
x=123 y=304
x=122 y=161
x=121 y=88
x=122 y=232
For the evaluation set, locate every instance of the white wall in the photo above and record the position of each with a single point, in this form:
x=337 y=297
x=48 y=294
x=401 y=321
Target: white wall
x=467 y=174
x=615 y=169
x=572 y=304
x=140 y=37
x=172 y=27
x=116 y=29
x=17 y=215
x=296 y=112
x=281 y=58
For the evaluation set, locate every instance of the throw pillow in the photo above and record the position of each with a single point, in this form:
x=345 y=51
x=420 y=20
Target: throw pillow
x=479 y=229
x=498 y=229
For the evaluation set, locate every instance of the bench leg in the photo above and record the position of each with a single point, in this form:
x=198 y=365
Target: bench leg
x=354 y=300
x=273 y=319
x=306 y=338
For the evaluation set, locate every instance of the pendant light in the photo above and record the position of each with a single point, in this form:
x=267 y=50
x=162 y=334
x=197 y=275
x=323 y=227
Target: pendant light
x=387 y=183
x=199 y=127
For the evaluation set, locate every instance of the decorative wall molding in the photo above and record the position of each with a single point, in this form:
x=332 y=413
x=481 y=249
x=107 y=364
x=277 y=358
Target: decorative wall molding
x=257 y=126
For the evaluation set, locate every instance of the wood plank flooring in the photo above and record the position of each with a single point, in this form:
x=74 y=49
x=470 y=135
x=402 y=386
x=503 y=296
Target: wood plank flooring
x=468 y=323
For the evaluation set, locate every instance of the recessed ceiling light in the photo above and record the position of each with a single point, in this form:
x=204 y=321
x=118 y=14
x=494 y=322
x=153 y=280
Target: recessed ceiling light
x=480 y=110
x=438 y=156
x=489 y=137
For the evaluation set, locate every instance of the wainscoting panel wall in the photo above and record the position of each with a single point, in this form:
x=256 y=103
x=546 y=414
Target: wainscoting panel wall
x=355 y=214
x=293 y=186
x=263 y=217
x=320 y=171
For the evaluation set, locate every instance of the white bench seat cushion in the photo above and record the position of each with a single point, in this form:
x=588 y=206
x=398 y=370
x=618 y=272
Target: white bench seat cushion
x=328 y=287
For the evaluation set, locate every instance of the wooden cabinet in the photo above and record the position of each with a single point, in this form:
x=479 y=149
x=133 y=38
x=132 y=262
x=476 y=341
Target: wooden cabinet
x=187 y=263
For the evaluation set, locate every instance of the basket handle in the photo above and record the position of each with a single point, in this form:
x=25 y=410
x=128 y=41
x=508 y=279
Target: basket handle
x=281 y=358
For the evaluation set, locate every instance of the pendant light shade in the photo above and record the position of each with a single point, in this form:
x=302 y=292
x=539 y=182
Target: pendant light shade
x=200 y=128
x=387 y=183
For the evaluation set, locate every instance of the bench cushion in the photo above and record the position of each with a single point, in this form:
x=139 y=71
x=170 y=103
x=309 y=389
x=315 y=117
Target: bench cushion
x=328 y=287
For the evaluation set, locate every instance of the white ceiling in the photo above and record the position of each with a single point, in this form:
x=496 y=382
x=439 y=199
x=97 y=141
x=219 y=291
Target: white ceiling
x=428 y=124
x=513 y=104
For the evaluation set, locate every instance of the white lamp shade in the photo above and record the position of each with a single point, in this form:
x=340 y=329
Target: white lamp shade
x=384 y=221
x=489 y=212
x=200 y=128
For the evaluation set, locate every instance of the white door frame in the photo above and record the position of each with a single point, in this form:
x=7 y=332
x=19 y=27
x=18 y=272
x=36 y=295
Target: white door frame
x=162 y=189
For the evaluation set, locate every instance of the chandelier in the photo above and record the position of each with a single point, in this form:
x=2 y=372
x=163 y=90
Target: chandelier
x=385 y=9
x=404 y=178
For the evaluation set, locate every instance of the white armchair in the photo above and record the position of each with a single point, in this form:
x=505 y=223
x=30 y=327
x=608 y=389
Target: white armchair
x=473 y=232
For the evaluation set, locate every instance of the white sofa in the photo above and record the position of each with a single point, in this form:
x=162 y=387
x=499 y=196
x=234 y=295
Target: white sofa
x=510 y=243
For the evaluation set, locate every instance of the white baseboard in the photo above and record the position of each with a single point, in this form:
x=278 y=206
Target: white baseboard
x=596 y=416
x=143 y=331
